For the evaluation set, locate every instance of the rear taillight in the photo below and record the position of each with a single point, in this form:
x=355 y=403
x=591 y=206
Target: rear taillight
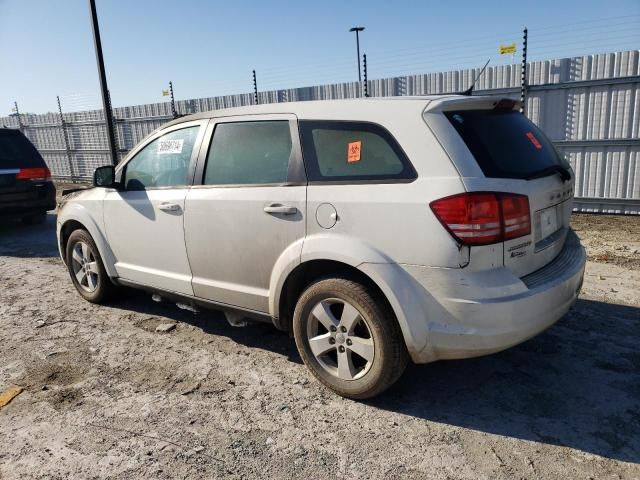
x=516 y=219
x=40 y=173
x=483 y=218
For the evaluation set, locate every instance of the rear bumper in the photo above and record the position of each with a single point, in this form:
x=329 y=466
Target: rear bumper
x=469 y=314
x=37 y=198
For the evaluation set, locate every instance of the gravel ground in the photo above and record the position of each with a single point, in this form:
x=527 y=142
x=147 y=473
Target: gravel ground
x=610 y=239
x=107 y=396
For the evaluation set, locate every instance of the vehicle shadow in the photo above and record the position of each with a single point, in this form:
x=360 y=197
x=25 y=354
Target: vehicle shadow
x=576 y=385
x=20 y=240
x=255 y=334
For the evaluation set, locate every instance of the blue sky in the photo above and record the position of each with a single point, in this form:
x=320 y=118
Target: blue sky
x=209 y=48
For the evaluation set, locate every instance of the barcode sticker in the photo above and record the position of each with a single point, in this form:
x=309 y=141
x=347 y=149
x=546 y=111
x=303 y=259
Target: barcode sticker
x=353 y=151
x=170 y=146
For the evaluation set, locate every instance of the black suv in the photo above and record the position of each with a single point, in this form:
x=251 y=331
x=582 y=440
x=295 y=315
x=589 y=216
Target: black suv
x=26 y=189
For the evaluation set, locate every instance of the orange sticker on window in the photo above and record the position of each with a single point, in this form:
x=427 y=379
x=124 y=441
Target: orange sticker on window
x=353 y=151
x=534 y=140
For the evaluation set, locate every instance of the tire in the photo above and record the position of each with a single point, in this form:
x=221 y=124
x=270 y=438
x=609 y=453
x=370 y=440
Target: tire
x=87 y=272
x=369 y=327
x=35 y=219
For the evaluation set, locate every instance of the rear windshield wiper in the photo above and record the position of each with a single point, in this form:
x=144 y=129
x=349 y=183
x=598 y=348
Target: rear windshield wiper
x=550 y=170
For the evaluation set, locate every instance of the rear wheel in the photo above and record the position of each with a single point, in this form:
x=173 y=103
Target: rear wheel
x=35 y=219
x=86 y=268
x=348 y=339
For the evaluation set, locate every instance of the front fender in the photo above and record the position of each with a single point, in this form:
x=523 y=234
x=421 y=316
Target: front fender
x=81 y=214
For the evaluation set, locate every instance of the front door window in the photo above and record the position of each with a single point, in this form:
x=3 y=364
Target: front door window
x=163 y=162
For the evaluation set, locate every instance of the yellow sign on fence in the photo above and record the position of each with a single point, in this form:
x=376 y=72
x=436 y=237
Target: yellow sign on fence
x=165 y=93
x=508 y=49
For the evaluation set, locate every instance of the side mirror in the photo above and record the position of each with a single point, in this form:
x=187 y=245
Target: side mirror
x=105 y=177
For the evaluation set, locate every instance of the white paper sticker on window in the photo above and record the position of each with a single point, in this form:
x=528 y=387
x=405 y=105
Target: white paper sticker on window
x=170 y=146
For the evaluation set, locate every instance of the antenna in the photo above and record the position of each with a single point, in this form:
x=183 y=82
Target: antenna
x=469 y=90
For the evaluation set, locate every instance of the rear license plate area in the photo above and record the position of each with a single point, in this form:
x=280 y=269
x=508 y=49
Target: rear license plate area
x=547 y=222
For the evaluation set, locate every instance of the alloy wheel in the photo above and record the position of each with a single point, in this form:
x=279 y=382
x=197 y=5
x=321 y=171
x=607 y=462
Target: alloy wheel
x=85 y=266
x=340 y=339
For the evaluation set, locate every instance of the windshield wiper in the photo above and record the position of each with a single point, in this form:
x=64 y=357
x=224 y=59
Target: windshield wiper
x=564 y=173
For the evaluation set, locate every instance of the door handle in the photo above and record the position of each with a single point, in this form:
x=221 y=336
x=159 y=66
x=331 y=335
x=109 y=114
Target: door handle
x=169 y=207
x=281 y=209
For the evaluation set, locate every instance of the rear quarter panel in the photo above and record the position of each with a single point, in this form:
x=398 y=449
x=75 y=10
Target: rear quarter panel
x=394 y=219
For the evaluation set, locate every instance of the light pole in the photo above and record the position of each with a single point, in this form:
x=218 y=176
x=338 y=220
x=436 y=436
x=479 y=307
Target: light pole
x=106 y=102
x=358 y=30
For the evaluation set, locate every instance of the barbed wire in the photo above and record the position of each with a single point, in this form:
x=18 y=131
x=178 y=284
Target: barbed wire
x=552 y=41
x=615 y=33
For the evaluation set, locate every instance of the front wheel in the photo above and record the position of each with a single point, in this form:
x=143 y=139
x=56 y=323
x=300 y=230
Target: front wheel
x=348 y=339
x=86 y=268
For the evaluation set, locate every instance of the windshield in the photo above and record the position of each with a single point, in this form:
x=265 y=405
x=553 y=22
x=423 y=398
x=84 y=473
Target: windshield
x=16 y=151
x=505 y=143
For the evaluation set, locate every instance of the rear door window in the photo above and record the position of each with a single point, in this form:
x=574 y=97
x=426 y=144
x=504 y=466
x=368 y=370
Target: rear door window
x=249 y=153
x=352 y=151
x=506 y=144
x=16 y=151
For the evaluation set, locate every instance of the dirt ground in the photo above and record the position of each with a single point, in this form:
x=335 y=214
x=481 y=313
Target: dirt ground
x=106 y=396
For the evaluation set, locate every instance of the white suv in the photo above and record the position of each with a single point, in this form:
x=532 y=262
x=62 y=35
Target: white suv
x=374 y=230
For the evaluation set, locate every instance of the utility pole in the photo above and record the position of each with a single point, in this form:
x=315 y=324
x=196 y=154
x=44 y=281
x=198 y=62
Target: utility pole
x=20 y=125
x=173 y=102
x=66 y=141
x=358 y=30
x=366 y=83
x=255 y=88
x=106 y=104
x=523 y=80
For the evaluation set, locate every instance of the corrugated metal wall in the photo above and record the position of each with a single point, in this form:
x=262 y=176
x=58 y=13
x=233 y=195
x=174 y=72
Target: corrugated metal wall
x=589 y=106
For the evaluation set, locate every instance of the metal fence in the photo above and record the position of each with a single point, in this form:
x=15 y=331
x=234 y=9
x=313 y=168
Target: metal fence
x=589 y=106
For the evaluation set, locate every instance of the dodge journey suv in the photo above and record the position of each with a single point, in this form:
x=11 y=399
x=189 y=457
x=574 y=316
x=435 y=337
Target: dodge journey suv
x=376 y=231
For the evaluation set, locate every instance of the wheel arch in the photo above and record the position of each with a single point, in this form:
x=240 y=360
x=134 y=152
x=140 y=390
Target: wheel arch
x=308 y=272
x=66 y=230
x=80 y=219
x=338 y=255
x=388 y=281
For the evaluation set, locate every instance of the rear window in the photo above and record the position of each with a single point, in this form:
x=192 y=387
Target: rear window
x=506 y=144
x=16 y=151
x=342 y=151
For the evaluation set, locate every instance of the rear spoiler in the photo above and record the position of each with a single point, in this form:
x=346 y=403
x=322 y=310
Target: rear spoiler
x=464 y=102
